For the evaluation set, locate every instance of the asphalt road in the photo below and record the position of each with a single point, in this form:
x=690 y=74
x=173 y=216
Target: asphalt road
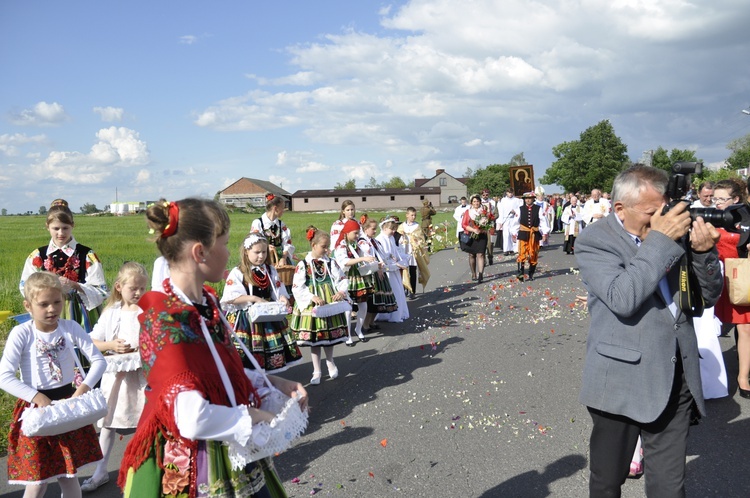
x=475 y=396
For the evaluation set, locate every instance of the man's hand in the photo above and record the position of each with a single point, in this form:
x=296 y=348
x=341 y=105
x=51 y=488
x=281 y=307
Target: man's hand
x=703 y=236
x=675 y=223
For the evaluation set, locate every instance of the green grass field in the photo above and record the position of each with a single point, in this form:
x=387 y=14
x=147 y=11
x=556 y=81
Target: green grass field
x=119 y=239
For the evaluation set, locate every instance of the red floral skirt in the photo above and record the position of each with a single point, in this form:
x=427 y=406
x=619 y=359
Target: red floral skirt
x=45 y=458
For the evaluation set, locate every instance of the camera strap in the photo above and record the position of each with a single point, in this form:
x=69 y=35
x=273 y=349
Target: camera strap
x=691 y=298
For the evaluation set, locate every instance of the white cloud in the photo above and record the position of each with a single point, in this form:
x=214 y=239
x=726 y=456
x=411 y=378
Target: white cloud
x=312 y=167
x=188 y=39
x=116 y=148
x=361 y=171
x=281 y=181
x=42 y=114
x=10 y=145
x=281 y=158
x=110 y=114
x=143 y=177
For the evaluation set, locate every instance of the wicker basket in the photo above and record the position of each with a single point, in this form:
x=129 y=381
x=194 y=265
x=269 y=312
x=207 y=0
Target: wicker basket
x=286 y=273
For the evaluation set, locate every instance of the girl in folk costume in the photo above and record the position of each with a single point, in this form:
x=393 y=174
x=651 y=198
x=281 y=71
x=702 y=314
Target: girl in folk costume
x=382 y=299
x=256 y=281
x=204 y=409
x=348 y=255
x=123 y=384
x=318 y=281
x=42 y=349
x=572 y=221
x=395 y=262
x=275 y=231
x=347 y=213
x=415 y=247
x=80 y=271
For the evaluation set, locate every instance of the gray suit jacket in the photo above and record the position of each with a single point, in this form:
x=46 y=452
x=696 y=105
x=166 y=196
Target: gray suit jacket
x=633 y=339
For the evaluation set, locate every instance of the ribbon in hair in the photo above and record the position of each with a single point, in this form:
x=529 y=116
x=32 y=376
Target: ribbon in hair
x=270 y=197
x=310 y=234
x=174 y=216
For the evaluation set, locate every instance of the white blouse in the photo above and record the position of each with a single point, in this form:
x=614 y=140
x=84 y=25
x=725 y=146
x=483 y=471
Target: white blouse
x=21 y=353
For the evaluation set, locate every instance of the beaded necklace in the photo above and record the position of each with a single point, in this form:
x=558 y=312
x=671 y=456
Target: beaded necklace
x=215 y=313
x=261 y=279
x=319 y=270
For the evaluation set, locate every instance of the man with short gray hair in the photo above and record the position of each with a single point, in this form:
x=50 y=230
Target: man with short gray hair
x=641 y=375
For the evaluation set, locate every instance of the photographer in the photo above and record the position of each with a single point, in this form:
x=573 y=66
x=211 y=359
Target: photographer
x=641 y=374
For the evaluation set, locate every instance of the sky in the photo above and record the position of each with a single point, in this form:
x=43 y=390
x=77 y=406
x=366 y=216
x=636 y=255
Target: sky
x=132 y=101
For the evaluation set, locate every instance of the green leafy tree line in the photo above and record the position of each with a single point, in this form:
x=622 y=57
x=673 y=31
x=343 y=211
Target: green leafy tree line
x=395 y=182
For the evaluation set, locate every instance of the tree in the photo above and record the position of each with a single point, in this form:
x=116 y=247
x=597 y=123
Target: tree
x=591 y=162
x=660 y=159
x=42 y=210
x=89 y=209
x=348 y=185
x=715 y=175
x=740 y=156
x=395 y=182
x=373 y=183
x=518 y=160
x=5 y=212
x=495 y=177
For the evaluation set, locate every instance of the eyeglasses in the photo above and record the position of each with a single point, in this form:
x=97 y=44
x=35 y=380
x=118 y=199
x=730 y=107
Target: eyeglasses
x=720 y=200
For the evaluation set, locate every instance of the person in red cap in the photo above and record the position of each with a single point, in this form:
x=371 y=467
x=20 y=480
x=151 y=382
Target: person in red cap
x=533 y=227
x=348 y=255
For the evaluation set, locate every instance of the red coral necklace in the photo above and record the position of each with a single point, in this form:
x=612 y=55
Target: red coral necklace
x=260 y=278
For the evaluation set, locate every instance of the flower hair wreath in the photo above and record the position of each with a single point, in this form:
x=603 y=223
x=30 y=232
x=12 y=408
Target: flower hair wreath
x=253 y=239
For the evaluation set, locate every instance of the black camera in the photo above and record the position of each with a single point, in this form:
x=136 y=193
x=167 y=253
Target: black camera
x=679 y=189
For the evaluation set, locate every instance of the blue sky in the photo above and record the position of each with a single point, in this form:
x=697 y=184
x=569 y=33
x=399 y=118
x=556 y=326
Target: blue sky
x=182 y=98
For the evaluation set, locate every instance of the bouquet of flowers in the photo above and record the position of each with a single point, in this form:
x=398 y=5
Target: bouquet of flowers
x=484 y=220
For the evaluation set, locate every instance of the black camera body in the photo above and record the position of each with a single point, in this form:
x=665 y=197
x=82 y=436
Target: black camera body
x=679 y=188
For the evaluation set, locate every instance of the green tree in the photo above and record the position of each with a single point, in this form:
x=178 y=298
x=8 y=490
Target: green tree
x=740 y=156
x=89 y=209
x=591 y=162
x=5 y=212
x=395 y=182
x=42 y=210
x=660 y=159
x=714 y=176
x=495 y=177
x=373 y=183
x=348 y=185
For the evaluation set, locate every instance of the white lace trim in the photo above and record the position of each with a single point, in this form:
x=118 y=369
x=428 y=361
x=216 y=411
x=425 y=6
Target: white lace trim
x=128 y=362
x=271 y=438
x=64 y=415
